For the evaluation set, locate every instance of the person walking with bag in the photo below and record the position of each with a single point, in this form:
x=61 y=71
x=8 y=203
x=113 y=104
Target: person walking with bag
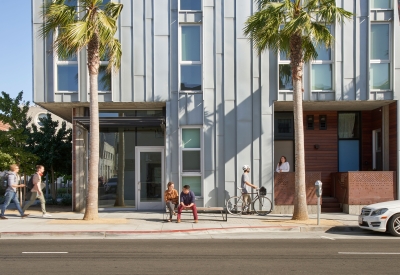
x=11 y=192
x=36 y=191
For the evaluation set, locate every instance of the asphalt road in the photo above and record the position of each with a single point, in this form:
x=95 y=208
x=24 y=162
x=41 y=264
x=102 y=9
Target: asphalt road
x=200 y=256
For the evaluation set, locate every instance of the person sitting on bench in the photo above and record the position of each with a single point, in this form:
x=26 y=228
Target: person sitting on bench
x=171 y=199
x=187 y=201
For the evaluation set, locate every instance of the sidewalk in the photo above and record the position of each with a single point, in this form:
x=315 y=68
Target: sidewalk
x=128 y=224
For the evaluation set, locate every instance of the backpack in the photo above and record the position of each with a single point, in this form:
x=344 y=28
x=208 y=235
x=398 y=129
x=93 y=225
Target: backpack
x=30 y=182
x=4 y=179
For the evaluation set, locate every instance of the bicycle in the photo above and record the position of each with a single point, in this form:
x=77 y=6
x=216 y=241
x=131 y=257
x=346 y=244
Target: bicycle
x=261 y=204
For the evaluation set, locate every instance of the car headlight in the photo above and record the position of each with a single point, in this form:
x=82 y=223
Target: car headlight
x=379 y=212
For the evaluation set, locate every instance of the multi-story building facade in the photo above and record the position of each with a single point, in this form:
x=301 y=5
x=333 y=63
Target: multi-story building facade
x=193 y=102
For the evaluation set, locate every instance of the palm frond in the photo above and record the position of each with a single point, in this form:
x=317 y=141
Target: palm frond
x=263 y=27
x=329 y=12
x=55 y=15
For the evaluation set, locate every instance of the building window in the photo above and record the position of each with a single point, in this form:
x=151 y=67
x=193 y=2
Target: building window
x=191 y=159
x=380 y=57
x=348 y=125
x=190 y=58
x=321 y=69
x=67 y=74
x=283 y=126
x=190 y=5
x=381 y=4
x=66 y=70
x=285 y=73
x=40 y=116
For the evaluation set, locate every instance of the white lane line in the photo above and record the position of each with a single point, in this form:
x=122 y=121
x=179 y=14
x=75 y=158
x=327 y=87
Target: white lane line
x=328 y=238
x=44 y=252
x=370 y=253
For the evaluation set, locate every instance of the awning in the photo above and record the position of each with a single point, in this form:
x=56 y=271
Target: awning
x=126 y=122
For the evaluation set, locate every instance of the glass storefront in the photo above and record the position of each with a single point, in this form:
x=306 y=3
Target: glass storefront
x=117 y=183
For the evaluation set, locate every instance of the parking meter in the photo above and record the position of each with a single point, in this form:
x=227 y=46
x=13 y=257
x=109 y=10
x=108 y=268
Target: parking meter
x=318 y=188
x=318 y=192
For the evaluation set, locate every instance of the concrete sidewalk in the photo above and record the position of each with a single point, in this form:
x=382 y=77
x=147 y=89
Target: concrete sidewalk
x=128 y=224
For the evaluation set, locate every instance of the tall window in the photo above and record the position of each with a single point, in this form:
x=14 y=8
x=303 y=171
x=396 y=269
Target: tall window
x=380 y=57
x=66 y=70
x=321 y=69
x=190 y=5
x=191 y=159
x=381 y=4
x=285 y=73
x=190 y=58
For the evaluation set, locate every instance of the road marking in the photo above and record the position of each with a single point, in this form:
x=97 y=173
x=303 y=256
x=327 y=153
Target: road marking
x=328 y=238
x=371 y=253
x=44 y=252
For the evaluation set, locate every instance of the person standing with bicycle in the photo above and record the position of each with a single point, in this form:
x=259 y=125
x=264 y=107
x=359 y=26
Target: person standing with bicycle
x=245 y=185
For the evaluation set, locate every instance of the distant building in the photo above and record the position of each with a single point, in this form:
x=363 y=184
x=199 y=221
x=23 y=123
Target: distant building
x=37 y=112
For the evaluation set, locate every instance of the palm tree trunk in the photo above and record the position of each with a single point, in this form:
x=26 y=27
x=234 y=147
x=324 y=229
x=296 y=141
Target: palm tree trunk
x=91 y=212
x=300 y=199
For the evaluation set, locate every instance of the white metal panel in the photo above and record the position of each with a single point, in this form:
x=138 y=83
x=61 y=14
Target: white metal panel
x=229 y=59
x=194 y=109
x=161 y=68
x=148 y=9
x=126 y=13
x=161 y=15
x=243 y=11
x=209 y=129
x=138 y=39
x=230 y=141
x=182 y=106
x=229 y=8
x=243 y=80
x=149 y=50
x=208 y=47
x=126 y=65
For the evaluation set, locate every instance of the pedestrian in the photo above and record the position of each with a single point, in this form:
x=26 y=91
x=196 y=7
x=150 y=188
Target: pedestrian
x=13 y=181
x=171 y=199
x=245 y=185
x=36 y=191
x=283 y=165
x=188 y=200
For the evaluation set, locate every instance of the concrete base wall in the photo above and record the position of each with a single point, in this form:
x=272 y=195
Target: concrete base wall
x=288 y=209
x=352 y=209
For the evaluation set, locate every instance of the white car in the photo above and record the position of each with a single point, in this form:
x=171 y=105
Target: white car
x=382 y=217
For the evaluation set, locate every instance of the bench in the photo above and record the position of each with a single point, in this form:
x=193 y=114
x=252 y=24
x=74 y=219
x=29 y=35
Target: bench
x=222 y=210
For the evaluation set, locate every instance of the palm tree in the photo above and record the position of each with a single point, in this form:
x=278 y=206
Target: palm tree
x=92 y=26
x=296 y=28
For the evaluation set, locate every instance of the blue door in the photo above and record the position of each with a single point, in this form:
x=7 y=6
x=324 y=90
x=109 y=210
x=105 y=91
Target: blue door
x=349 y=155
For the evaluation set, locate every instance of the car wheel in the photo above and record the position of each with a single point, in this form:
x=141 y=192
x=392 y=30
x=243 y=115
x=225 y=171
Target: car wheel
x=394 y=225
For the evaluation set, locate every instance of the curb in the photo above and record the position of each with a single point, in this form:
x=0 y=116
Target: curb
x=211 y=230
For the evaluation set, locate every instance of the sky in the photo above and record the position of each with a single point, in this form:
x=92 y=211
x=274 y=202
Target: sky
x=16 y=48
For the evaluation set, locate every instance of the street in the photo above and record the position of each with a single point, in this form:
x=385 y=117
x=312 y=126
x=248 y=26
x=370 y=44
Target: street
x=250 y=256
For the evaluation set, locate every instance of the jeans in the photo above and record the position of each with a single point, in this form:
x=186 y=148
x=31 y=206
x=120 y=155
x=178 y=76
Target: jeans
x=11 y=195
x=33 y=197
x=171 y=206
x=194 y=210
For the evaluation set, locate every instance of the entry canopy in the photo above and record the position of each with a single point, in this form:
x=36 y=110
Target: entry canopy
x=123 y=122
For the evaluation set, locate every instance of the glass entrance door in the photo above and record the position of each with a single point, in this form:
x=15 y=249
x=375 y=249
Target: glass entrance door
x=150 y=177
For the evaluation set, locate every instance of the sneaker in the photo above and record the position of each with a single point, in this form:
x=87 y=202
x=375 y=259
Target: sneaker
x=46 y=215
x=178 y=221
x=3 y=218
x=24 y=216
x=196 y=221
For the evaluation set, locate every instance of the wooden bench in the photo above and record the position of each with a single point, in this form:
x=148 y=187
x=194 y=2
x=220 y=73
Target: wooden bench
x=222 y=210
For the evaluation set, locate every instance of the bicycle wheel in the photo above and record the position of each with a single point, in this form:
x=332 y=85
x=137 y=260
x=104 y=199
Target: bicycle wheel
x=234 y=205
x=262 y=206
